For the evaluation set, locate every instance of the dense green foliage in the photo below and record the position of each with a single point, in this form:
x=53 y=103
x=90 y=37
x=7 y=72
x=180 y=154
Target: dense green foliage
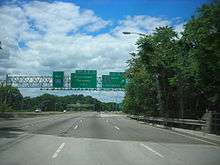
x=12 y=100
x=177 y=76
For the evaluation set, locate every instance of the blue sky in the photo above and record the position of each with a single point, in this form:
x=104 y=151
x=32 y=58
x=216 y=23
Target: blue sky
x=118 y=9
x=39 y=37
x=115 y=9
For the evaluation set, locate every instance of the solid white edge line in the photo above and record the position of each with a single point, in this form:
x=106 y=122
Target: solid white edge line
x=58 y=150
x=76 y=127
x=190 y=137
x=150 y=149
x=116 y=128
x=194 y=138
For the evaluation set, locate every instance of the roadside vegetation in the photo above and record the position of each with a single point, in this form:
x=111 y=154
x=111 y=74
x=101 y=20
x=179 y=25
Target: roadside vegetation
x=174 y=75
x=12 y=100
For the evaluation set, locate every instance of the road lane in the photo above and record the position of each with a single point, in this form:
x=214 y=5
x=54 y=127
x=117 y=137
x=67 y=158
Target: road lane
x=102 y=151
x=116 y=128
x=133 y=130
x=152 y=150
x=58 y=150
x=87 y=138
x=12 y=131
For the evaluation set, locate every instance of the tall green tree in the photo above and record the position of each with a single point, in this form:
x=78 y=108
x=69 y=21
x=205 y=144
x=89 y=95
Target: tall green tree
x=183 y=72
x=11 y=97
x=202 y=35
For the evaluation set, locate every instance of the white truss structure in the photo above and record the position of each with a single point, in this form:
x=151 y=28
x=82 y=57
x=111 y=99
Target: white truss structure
x=46 y=83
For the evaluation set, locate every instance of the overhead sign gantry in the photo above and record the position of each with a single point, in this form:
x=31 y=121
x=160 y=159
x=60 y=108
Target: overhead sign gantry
x=78 y=80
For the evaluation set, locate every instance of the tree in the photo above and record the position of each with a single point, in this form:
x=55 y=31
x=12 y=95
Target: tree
x=182 y=72
x=11 y=96
x=202 y=34
x=155 y=60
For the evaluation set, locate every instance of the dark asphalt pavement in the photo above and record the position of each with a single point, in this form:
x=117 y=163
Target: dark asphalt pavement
x=91 y=138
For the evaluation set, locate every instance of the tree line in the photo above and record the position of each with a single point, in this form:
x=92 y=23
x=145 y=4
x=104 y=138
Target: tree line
x=11 y=99
x=177 y=75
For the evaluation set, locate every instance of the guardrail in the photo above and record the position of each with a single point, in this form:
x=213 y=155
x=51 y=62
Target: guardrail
x=169 y=122
x=209 y=124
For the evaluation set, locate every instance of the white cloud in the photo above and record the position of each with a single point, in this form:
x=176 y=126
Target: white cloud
x=57 y=36
x=44 y=28
x=179 y=28
x=99 y=24
x=59 y=17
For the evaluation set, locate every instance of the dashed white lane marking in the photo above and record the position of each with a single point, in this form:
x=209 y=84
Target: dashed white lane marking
x=76 y=127
x=150 y=149
x=116 y=128
x=58 y=150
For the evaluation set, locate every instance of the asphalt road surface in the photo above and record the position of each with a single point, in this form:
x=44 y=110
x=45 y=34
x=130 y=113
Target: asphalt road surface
x=91 y=138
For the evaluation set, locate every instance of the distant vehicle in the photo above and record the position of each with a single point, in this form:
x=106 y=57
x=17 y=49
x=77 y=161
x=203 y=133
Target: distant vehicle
x=37 y=110
x=64 y=111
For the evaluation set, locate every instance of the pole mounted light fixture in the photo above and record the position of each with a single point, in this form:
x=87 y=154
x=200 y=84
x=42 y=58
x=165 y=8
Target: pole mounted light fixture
x=141 y=34
x=126 y=32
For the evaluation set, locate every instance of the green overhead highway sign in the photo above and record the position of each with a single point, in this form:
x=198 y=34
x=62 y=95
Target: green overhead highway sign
x=84 y=79
x=58 y=79
x=113 y=80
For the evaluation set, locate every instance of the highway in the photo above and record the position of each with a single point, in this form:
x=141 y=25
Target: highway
x=93 y=138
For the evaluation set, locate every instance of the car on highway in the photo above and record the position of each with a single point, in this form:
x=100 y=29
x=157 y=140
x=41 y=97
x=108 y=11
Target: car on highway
x=37 y=110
